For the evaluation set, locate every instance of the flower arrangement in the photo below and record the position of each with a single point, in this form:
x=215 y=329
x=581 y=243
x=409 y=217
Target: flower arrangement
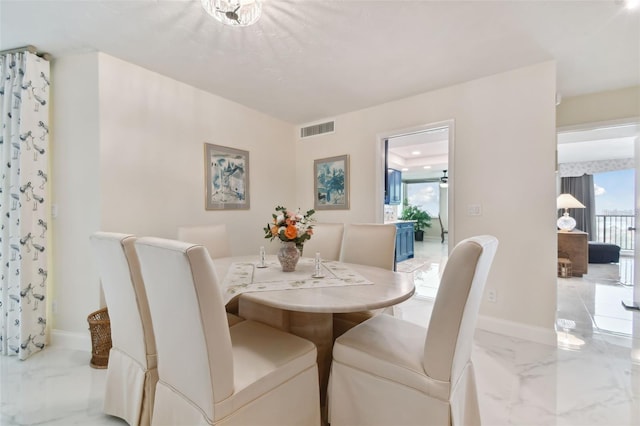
x=290 y=226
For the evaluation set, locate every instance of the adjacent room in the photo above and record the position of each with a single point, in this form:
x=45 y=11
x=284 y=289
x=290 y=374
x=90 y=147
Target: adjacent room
x=247 y=212
x=596 y=166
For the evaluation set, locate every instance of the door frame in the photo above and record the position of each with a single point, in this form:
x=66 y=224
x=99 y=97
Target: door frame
x=635 y=353
x=380 y=164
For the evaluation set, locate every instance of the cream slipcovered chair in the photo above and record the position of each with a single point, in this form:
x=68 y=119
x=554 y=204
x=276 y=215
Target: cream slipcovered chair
x=444 y=227
x=213 y=237
x=209 y=373
x=216 y=240
x=387 y=371
x=365 y=244
x=131 y=373
x=326 y=240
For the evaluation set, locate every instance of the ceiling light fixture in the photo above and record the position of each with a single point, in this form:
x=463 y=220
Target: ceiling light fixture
x=628 y=4
x=426 y=167
x=415 y=152
x=235 y=13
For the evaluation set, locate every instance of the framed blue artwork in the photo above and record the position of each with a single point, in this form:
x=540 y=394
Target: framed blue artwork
x=226 y=178
x=331 y=183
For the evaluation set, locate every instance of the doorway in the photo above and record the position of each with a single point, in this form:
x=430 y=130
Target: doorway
x=420 y=158
x=604 y=153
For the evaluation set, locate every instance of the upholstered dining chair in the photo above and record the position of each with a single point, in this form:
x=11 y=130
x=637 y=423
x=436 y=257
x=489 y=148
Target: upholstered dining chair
x=391 y=371
x=365 y=244
x=131 y=372
x=216 y=240
x=213 y=374
x=326 y=240
x=371 y=244
x=444 y=227
x=213 y=237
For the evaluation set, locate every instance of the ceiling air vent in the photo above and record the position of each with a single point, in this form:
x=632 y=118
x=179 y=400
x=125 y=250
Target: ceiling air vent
x=317 y=129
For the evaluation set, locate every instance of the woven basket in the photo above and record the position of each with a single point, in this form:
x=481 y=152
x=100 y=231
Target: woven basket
x=100 y=328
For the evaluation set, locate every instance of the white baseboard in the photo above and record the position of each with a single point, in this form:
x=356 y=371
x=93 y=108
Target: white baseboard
x=82 y=341
x=71 y=340
x=515 y=329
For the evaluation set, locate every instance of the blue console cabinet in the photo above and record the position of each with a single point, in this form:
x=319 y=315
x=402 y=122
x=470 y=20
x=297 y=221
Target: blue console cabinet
x=393 y=191
x=404 y=241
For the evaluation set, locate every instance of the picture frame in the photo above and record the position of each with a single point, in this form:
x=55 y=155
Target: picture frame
x=226 y=179
x=331 y=183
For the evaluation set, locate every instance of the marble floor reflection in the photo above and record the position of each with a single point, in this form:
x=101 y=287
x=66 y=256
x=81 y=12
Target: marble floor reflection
x=590 y=380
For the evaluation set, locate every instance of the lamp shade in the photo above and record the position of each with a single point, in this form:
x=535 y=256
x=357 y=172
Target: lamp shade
x=568 y=201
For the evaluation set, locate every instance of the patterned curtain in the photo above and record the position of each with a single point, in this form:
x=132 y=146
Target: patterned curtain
x=24 y=111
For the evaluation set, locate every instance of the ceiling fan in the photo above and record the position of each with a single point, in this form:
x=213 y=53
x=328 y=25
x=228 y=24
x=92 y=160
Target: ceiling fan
x=444 y=180
x=236 y=13
x=231 y=15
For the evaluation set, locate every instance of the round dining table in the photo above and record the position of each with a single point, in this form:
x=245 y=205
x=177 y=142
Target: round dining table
x=308 y=312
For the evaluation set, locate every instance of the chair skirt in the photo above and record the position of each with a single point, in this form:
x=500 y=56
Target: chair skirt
x=360 y=398
x=299 y=396
x=130 y=390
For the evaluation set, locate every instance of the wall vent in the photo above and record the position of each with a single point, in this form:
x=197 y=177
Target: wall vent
x=317 y=129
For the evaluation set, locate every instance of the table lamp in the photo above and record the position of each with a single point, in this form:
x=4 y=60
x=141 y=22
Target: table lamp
x=567 y=201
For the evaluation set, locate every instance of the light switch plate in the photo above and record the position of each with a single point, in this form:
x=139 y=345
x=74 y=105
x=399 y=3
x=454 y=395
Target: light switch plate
x=474 y=210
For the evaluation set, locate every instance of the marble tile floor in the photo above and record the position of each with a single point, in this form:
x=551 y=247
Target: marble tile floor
x=591 y=378
x=431 y=255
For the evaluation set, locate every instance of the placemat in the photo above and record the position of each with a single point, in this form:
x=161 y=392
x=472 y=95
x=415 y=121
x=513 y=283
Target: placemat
x=246 y=276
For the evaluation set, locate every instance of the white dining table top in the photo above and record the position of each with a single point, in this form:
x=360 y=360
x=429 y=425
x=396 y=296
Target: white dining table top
x=388 y=288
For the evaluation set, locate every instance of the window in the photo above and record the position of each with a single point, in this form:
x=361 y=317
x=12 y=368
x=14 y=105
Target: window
x=425 y=195
x=614 y=204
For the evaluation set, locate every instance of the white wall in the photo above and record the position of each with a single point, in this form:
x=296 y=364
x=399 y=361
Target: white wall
x=75 y=187
x=504 y=155
x=153 y=131
x=599 y=107
x=144 y=173
x=145 y=135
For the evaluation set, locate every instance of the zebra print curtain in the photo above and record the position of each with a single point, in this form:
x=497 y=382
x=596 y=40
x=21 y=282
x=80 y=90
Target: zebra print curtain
x=24 y=111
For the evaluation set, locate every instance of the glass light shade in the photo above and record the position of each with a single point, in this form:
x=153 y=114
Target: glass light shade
x=236 y=13
x=566 y=222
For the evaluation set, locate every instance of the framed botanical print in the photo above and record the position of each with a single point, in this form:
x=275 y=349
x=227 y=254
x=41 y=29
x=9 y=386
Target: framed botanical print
x=331 y=183
x=226 y=172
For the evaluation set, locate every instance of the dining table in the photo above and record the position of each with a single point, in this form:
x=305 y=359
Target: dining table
x=303 y=302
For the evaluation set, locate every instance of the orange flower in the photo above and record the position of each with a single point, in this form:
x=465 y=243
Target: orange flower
x=274 y=230
x=291 y=232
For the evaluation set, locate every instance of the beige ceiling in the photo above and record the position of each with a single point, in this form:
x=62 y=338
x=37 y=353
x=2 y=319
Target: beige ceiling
x=420 y=155
x=308 y=60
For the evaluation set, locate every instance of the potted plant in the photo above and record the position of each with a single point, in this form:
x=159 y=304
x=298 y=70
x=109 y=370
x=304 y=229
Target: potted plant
x=422 y=218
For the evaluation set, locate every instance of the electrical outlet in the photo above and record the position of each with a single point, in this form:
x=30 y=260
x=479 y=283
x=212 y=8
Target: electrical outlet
x=492 y=296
